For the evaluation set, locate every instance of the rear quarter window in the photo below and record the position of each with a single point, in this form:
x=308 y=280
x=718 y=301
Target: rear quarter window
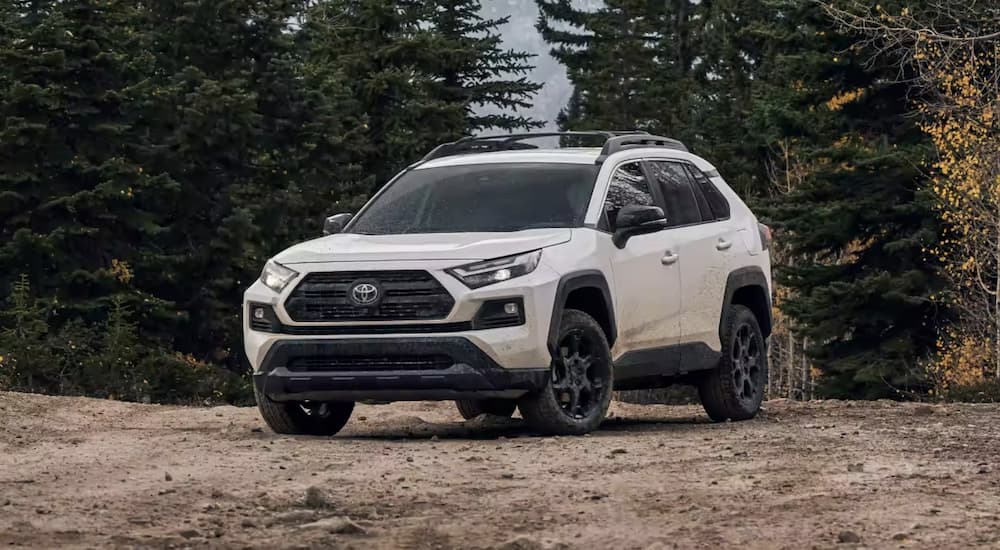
x=717 y=202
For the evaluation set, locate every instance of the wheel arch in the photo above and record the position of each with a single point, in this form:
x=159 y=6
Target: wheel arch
x=587 y=291
x=747 y=286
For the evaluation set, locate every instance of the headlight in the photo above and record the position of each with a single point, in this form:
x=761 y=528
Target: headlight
x=276 y=276
x=488 y=272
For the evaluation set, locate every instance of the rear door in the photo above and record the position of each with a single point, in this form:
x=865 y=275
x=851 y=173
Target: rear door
x=728 y=242
x=704 y=241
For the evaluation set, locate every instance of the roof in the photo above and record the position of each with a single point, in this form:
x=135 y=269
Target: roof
x=582 y=155
x=612 y=142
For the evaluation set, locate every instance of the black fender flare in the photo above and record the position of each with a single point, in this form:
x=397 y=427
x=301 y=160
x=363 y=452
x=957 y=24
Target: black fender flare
x=750 y=276
x=590 y=278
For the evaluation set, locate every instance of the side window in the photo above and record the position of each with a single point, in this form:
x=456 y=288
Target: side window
x=717 y=202
x=678 y=193
x=628 y=187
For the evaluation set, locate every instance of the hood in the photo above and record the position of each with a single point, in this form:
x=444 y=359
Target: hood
x=348 y=247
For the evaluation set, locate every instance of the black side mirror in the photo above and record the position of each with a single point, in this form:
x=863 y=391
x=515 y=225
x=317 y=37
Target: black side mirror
x=335 y=224
x=635 y=220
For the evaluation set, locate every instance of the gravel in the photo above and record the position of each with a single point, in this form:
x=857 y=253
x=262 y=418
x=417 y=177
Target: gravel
x=84 y=473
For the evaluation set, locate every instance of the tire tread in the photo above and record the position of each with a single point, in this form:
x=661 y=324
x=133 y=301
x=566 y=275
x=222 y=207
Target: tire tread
x=286 y=418
x=471 y=408
x=717 y=395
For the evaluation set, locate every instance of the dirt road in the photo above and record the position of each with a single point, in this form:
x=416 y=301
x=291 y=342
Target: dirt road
x=86 y=473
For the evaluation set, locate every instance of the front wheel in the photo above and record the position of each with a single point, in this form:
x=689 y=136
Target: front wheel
x=304 y=417
x=578 y=393
x=735 y=389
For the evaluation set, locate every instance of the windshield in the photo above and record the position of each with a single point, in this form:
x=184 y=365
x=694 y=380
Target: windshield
x=481 y=198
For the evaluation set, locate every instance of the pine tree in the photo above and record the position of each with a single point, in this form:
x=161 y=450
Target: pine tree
x=379 y=48
x=119 y=352
x=202 y=128
x=178 y=142
x=859 y=219
x=422 y=73
x=253 y=132
x=333 y=137
x=677 y=68
x=730 y=50
x=26 y=362
x=471 y=68
x=73 y=197
x=610 y=55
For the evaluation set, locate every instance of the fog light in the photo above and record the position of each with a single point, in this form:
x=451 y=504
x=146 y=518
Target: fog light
x=258 y=313
x=505 y=312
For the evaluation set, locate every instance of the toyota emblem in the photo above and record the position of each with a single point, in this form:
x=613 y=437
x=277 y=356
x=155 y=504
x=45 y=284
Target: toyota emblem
x=364 y=294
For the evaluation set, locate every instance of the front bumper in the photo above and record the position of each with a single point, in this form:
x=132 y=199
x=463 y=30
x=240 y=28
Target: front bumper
x=515 y=347
x=310 y=369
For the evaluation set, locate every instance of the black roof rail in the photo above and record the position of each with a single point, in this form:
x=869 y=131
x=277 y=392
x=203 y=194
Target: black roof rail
x=628 y=132
x=614 y=141
x=502 y=142
x=621 y=143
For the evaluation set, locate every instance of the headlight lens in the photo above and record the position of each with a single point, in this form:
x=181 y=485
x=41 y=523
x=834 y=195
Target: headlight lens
x=276 y=276
x=480 y=274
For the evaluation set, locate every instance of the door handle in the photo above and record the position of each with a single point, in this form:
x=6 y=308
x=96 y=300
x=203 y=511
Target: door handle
x=669 y=259
x=723 y=244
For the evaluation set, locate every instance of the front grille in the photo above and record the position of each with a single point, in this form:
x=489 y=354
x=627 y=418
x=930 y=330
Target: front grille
x=405 y=296
x=361 y=363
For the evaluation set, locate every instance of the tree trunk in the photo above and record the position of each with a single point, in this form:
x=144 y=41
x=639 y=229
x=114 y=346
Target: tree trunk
x=806 y=373
x=996 y=296
x=789 y=374
x=774 y=359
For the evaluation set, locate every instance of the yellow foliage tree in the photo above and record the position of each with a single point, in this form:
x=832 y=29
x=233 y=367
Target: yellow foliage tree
x=955 y=53
x=961 y=120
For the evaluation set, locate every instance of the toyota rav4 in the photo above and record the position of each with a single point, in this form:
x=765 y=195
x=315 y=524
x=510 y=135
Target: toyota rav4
x=504 y=275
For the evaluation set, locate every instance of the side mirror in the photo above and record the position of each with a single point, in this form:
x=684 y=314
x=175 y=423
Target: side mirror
x=335 y=224
x=635 y=220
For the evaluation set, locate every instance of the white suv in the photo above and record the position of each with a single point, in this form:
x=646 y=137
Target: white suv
x=499 y=274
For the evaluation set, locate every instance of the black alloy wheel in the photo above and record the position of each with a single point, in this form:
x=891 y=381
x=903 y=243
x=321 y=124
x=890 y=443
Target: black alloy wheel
x=748 y=372
x=579 y=379
x=580 y=384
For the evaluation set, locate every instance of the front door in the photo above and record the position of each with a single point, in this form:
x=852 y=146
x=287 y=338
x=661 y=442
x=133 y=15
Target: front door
x=646 y=284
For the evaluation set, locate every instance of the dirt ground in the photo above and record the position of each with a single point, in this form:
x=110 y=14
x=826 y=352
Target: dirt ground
x=86 y=473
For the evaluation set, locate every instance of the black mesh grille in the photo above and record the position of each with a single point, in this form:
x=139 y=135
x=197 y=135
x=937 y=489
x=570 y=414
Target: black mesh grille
x=394 y=328
x=499 y=322
x=261 y=324
x=362 y=363
x=405 y=295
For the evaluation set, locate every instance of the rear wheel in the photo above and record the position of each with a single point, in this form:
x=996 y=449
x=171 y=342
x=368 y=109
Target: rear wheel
x=578 y=393
x=304 y=417
x=471 y=408
x=735 y=389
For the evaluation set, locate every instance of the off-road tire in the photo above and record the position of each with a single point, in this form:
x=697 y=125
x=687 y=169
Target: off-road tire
x=548 y=410
x=735 y=389
x=291 y=417
x=471 y=408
